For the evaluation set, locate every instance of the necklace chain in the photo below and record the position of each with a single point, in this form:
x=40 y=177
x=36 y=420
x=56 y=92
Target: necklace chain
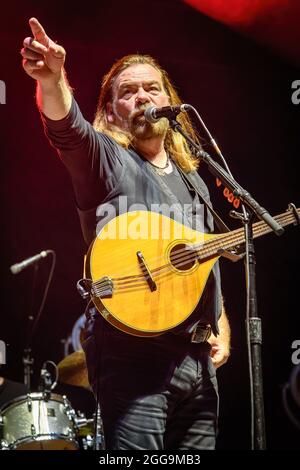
x=161 y=167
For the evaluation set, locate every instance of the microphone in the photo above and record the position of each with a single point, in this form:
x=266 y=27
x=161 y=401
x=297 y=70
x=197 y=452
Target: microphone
x=18 y=267
x=154 y=114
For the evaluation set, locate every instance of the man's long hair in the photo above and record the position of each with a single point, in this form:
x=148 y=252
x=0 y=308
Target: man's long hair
x=175 y=144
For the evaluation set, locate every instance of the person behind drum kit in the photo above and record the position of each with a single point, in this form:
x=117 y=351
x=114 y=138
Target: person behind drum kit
x=158 y=392
x=9 y=390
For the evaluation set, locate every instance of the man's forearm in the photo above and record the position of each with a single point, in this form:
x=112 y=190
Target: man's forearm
x=224 y=327
x=221 y=344
x=54 y=98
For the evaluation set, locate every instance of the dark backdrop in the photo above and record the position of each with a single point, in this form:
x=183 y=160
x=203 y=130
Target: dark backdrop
x=242 y=91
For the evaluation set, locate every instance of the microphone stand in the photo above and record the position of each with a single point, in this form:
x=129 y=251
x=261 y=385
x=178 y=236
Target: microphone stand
x=27 y=358
x=33 y=322
x=253 y=321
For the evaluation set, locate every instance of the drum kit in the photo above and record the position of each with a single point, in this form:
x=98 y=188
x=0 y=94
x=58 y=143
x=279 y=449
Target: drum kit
x=45 y=420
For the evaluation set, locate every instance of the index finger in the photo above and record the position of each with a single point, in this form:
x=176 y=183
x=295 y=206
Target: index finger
x=38 y=31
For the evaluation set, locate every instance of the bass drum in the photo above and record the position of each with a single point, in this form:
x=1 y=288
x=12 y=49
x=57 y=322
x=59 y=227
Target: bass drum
x=38 y=421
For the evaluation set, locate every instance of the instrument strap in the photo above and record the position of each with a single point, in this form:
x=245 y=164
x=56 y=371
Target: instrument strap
x=219 y=222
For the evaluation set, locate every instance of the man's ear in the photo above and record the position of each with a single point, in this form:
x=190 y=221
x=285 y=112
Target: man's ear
x=109 y=113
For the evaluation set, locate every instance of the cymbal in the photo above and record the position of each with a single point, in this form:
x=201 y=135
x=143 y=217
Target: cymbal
x=72 y=370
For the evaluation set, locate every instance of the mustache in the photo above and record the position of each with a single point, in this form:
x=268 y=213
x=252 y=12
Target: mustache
x=138 y=112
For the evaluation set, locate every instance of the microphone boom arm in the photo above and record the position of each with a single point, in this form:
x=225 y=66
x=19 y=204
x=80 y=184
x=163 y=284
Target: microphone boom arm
x=229 y=181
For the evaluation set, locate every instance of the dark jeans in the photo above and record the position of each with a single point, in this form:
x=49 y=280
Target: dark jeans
x=154 y=393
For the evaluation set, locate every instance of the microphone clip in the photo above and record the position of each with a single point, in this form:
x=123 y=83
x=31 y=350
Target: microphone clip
x=154 y=114
x=45 y=382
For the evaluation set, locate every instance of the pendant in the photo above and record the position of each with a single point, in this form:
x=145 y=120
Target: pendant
x=160 y=171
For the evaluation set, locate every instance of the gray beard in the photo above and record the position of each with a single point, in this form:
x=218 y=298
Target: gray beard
x=144 y=130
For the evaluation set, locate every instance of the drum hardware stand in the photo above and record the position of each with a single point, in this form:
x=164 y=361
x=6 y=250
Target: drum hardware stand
x=99 y=438
x=28 y=363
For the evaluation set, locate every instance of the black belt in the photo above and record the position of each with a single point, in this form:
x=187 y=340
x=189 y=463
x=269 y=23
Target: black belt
x=201 y=333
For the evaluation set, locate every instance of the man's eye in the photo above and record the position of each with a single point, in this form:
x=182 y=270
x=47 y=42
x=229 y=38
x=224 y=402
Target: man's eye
x=126 y=92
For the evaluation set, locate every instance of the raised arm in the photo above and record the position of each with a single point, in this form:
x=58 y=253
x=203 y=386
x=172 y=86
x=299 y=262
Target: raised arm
x=43 y=60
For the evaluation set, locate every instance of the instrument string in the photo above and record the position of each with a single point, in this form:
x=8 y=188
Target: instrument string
x=181 y=257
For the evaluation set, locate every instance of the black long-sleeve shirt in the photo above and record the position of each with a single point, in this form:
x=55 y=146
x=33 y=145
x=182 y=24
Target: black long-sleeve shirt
x=105 y=174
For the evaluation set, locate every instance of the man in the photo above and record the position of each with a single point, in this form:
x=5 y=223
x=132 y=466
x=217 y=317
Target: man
x=158 y=392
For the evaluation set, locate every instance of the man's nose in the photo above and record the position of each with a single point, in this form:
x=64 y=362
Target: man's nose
x=142 y=96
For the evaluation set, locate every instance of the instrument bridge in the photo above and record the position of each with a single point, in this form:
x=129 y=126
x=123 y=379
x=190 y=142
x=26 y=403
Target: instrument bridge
x=103 y=288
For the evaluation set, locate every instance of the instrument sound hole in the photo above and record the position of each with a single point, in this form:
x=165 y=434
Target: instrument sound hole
x=182 y=257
